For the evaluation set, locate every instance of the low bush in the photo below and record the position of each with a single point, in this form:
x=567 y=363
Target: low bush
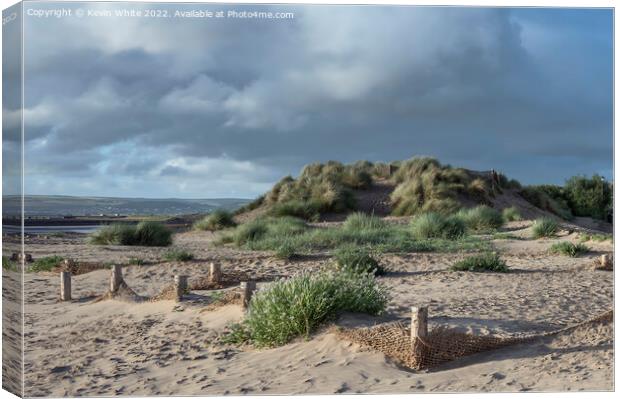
x=511 y=214
x=434 y=225
x=45 y=264
x=487 y=262
x=136 y=261
x=296 y=307
x=544 y=227
x=218 y=220
x=481 y=218
x=358 y=260
x=178 y=255
x=569 y=249
x=307 y=210
x=589 y=196
x=361 y=221
x=146 y=233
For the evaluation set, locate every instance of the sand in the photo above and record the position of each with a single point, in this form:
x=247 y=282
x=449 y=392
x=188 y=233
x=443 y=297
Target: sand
x=165 y=348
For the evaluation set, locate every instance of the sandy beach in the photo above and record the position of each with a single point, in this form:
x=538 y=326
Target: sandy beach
x=90 y=347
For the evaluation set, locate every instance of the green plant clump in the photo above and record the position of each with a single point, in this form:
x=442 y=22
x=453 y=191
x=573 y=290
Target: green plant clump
x=435 y=225
x=8 y=264
x=360 y=221
x=45 y=264
x=481 y=218
x=136 y=261
x=146 y=233
x=589 y=196
x=545 y=227
x=487 y=262
x=569 y=249
x=178 y=255
x=511 y=214
x=296 y=307
x=218 y=220
x=358 y=260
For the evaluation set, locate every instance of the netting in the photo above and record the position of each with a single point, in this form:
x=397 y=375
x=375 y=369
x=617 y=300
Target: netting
x=441 y=345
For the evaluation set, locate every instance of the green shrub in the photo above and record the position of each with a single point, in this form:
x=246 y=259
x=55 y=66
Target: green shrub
x=511 y=214
x=362 y=221
x=45 y=264
x=218 y=220
x=136 y=261
x=358 y=260
x=589 y=197
x=481 y=218
x=569 y=249
x=489 y=261
x=296 y=307
x=550 y=198
x=178 y=255
x=434 y=225
x=545 y=227
x=146 y=233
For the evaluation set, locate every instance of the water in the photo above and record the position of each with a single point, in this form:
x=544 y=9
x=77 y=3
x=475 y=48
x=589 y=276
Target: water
x=87 y=229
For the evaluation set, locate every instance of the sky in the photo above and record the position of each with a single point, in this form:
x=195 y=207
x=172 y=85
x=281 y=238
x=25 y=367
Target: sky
x=206 y=108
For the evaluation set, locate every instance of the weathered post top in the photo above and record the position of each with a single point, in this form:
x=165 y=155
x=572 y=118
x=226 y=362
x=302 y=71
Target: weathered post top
x=65 y=286
x=116 y=277
x=247 y=289
x=180 y=286
x=215 y=272
x=419 y=322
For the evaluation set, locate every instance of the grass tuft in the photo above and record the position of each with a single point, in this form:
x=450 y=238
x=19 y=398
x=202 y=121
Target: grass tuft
x=481 y=218
x=361 y=221
x=357 y=260
x=146 y=233
x=296 y=307
x=545 y=227
x=178 y=255
x=486 y=262
x=218 y=220
x=511 y=214
x=569 y=249
x=434 y=225
x=45 y=264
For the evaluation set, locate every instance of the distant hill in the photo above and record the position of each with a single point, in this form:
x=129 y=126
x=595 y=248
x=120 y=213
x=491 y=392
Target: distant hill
x=53 y=205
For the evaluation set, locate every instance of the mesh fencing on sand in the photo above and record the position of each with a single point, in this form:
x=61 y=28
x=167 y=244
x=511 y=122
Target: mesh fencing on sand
x=441 y=345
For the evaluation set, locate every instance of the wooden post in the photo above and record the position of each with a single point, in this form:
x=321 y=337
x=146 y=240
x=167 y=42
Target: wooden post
x=419 y=322
x=215 y=273
x=247 y=290
x=65 y=286
x=116 y=277
x=604 y=260
x=180 y=285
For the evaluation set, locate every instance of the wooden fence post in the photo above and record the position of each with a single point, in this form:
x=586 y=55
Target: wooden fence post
x=180 y=286
x=247 y=289
x=215 y=273
x=604 y=260
x=419 y=322
x=116 y=277
x=65 y=286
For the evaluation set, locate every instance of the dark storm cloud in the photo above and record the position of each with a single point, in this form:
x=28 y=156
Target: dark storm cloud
x=228 y=107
